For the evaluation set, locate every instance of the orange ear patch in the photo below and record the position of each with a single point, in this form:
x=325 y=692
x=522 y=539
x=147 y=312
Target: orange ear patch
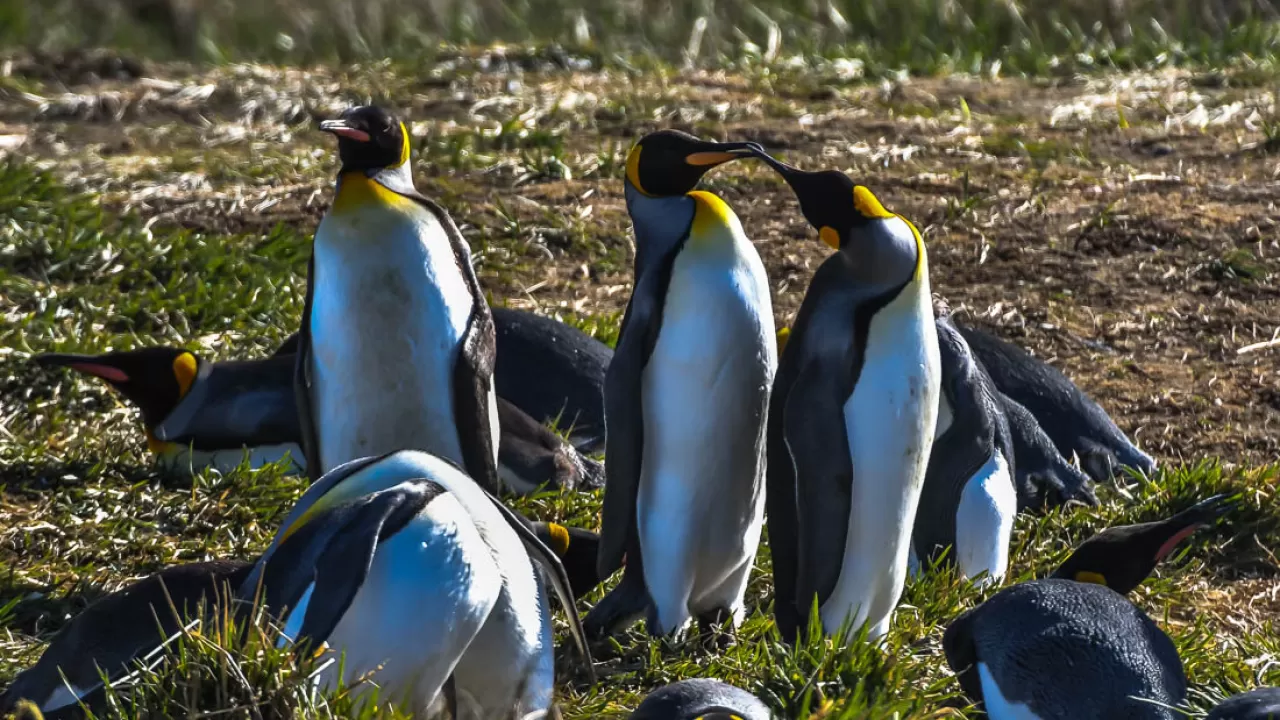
x=184 y=371
x=829 y=236
x=559 y=538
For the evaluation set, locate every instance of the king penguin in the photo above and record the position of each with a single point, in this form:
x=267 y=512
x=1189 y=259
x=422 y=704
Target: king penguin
x=199 y=413
x=1076 y=423
x=117 y=630
x=701 y=699
x=968 y=501
x=396 y=347
x=1260 y=704
x=684 y=492
x=409 y=570
x=1044 y=478
x=1071 y=646
x=853 y=413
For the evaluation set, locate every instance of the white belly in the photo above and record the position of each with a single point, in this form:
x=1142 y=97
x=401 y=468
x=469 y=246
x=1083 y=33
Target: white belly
x=984 y=521
x=890 y=421
x=705 y=395
x=389 y=308
x=998 y=708
x=430 y=589
x=945 y=416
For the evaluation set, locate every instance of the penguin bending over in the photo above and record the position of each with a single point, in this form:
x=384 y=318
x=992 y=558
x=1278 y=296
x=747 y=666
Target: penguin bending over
x=214 y=415
x=396 y=347
x=1071 y=646
x=1259 y=704
x=684 y=496
x=968 y=500
x=701 y=699
x=412 y=571
x=853 y=413
x=1071 y=418
x=577 y=549
x=117 y=630
x=1043 y=477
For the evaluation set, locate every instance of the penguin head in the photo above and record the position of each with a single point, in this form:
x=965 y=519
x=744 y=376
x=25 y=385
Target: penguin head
x=577 y=549
x=369 y=139
x=155 y=379
x=701 y=699
x=1122 y=557
x=669 y=163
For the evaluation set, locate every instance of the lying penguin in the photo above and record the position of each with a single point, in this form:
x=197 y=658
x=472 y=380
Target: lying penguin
x=1260 y=704
x=552 y=371
x=701 y=699
x=1076 y=423
x=407 y=569
x=117 y=630
x=1071 y=646
x=120 y=629
x=968 y=500
x=1043 y=477
x=210 y=414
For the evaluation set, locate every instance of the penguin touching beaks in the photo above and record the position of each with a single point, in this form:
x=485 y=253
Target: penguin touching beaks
x=396 y=347
x=968 y=501
x=1259 y=704
x=1043 y=477
x=1075 y=422
x=1071 y=646
x=684 y=492
x=199 y=413
x=410 y=569
x=701 y=699
x=117 y=630
x=853 y=413
x=577 y=549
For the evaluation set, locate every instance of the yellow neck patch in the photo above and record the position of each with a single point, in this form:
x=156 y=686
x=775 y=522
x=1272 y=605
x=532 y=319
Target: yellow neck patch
x=783 y=336
x=357 y=191
x=559 y=538
x=920 y=255
x=184 y=371
x=633 y=169
x=709 y=213
x=868 y=205
x=404 y=145
x=1085 y=576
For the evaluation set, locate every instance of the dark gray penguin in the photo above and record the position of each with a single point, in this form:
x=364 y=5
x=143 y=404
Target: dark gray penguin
x=1042 y=476
x=1260 y=704
x=1071 y=646
x=701 y=699
x=1071 y=418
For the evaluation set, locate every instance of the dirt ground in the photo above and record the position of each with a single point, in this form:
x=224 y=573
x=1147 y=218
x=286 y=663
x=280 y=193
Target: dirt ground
x=1122 y=227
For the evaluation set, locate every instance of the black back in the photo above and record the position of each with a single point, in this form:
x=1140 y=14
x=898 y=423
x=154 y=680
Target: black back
x=1260 y=704
x=1044 y=478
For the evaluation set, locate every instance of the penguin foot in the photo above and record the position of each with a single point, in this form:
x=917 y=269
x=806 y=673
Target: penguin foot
x=715 y=629
x=620 y=608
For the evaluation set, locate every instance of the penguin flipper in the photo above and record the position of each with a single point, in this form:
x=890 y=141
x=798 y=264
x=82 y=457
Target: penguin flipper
x=472 y=386
x=780 y=497
x=302 y=382
x=962 y=655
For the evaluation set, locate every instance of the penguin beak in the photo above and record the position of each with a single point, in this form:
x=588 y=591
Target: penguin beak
x=1198 y=516
x=85 y=364
x=342 y=128
x=720 y=153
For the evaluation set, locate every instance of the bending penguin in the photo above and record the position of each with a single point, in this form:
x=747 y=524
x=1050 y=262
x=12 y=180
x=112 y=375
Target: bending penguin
x=1071 y=645
x=853 y=413
x=701 y=699
x=968 y=501
x=1076 y=423
x=212 y=414
x=1042 y=475
x=412 y=572
x=684 y=496
x=396 y=347
x=118 y=631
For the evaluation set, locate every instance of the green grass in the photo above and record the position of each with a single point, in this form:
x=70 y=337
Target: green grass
x=923 y=36
x=82 y=510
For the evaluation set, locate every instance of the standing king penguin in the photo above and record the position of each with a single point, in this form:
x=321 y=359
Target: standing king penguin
x=853 y=412
x=396 y=348
x=684 y=495
x=968 y=500
x=411 y=571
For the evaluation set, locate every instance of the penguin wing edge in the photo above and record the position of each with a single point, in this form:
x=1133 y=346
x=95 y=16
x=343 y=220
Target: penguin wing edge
x=302 y=382
x=472 y=385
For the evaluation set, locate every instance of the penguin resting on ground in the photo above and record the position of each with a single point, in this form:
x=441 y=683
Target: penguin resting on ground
x=577 y=549
x=1260 y=704
x=228 y=410
x=1042 y=476
x=684 y=497
x=396 y=347
x=1071 y=418
x=853 y=413
x=968 y=501
x=1071 y=646
x=701 y=699
x=117 y=630
x=415 y=573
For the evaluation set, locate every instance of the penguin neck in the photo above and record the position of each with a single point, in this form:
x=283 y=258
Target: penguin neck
x=660 y=223
x=357 y=189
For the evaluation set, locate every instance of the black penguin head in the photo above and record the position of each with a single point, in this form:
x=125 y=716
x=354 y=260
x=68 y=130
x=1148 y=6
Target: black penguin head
x=701 y=699
x=1122 y=557
x=154 y=379
x=832 y=203
x=369 y=138
x=669 y=162
x=577 y=549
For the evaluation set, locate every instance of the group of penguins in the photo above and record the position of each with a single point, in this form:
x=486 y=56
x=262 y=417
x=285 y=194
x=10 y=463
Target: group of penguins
x=875 y=436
